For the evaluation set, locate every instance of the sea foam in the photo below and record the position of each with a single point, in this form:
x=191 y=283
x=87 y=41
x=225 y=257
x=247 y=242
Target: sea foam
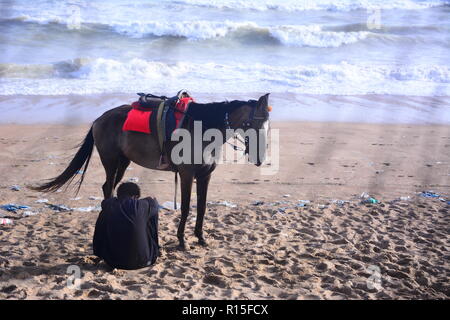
x=83 y=76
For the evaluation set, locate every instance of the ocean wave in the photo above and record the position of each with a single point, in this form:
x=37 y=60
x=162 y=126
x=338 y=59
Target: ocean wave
x=289 y=35
x=192 y=30
x=93 y=69
x=63 y=69
x=292 y=35
x=83 y=76
x=314 y=36
x=307 y=5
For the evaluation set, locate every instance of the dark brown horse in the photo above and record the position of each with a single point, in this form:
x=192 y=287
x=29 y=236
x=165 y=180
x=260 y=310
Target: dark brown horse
x=117 y=148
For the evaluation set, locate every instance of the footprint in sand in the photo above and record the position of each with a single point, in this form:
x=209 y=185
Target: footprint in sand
x=215 y=281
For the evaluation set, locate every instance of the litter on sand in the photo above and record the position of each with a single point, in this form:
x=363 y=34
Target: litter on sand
x=302 y=203
x=95 y=198
x=29 y=213
x=88 y=209
x=60 y=208
x=15 y=188
x=169 y=205
x=41 y=201
x=6 y=221
x=370 y=200
x=340 y=203
x=429 y=194
x=223 y=203
x=366 y=198
x=257 y=203
x=134 y=179
x=11 y=207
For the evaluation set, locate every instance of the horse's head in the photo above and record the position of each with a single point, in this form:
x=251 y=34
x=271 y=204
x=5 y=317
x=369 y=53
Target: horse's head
x=253 y=119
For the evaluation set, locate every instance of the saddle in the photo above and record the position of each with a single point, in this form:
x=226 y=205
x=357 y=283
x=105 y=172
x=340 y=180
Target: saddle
x=161 y=115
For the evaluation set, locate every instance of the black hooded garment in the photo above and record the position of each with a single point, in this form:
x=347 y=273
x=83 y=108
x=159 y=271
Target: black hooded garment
x=126 y=233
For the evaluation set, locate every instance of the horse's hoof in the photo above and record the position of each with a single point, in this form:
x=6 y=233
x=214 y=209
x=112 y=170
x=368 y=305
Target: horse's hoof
x=202 y=242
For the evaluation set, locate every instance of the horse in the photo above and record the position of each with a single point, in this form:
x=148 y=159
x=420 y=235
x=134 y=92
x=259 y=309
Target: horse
x=117 y=148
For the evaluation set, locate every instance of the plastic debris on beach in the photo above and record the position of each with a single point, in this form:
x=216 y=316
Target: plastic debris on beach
x=29 y=213
x=95 y=198
x=339 y=203
x=257 y=203
x=370 y=200
x=133 y=179
x=88 y=209
x=302 y=203
x=429 y=194
x=286 y=196
x=59 y=208
x=366 y=198
x=15 y=188
x=364 y=195
x=276 y=203
x=223 y=203
x=41 y=201
x=5 y=221
x=169 y=205
x=11 y=207
x=403 y=198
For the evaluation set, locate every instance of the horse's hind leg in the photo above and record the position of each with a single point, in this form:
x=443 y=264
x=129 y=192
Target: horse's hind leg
x=202 y=190
x=123 y=164
x=110 y=166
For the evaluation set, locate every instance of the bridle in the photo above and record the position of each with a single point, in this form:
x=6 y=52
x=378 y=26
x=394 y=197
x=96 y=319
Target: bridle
x=247 y=124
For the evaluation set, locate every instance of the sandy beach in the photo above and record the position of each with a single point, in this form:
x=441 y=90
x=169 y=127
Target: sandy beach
x=263 y=241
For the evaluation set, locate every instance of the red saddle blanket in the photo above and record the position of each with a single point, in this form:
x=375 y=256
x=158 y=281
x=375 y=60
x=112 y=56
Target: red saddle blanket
x=137 y=120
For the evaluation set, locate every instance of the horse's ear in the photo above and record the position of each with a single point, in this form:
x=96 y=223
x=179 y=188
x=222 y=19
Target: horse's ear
x=264 y=100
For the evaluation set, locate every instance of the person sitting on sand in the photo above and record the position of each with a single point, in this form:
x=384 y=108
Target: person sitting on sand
x=126 y=232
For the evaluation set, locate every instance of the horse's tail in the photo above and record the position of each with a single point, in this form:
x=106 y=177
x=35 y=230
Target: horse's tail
x=81 y=158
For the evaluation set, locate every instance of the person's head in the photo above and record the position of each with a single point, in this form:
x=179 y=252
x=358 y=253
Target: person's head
x=128 y=190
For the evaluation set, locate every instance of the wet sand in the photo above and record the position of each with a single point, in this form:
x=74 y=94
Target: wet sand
x=266 y=244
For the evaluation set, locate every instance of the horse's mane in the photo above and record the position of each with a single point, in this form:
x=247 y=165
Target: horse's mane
x=213 y=114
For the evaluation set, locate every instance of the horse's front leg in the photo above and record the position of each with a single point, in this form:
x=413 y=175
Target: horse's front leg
x=186 y=188
x=202 y=190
